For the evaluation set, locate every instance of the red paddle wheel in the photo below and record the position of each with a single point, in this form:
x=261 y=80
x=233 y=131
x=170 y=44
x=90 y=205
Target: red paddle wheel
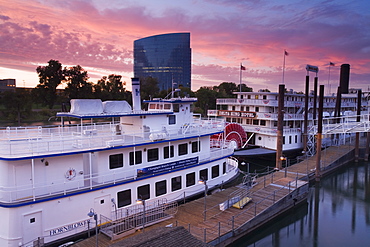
x=234 y=135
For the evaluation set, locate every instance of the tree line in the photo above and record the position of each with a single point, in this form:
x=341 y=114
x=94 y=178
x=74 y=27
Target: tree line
x=20 y=104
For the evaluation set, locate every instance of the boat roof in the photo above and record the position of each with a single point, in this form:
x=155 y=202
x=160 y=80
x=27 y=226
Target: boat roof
x=172 y=100
x=106 y=115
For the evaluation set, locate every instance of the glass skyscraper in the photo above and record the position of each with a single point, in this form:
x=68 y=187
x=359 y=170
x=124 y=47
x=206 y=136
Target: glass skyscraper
x=166 y=57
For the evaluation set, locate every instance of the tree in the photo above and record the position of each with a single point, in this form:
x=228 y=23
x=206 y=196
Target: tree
x=18 y=104
x=50 y=77
x=149 y=87
x=111 y=87
x=226 y=89
x=206 y=99
x=77 y=85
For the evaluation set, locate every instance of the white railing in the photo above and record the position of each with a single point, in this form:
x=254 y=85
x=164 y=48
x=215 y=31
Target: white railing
x=346 y=124
x=44 y=189
x=31 y=141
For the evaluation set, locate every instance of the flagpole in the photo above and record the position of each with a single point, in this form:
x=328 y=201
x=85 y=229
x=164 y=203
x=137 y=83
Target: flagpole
x=240 y=78
x=284 y=65
x=329 y=81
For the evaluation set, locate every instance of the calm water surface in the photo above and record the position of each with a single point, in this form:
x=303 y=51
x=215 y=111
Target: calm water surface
x=337 y=214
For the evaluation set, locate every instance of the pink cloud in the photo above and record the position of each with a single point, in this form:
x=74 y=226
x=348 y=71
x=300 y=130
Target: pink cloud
x=77 y=32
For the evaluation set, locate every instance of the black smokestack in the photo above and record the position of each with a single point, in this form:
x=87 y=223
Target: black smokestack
x=344 y=78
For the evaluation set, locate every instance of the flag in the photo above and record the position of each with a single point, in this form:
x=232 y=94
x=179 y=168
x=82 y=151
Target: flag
x=332 y=64
x=242 y=67
x=286 y=53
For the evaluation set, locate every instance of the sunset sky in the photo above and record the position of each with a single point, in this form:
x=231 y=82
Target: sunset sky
x=98 y=35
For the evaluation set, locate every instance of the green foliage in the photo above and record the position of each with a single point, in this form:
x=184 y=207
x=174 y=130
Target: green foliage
x=77 y=85
x=149 y=88
x=50 y=77
x=206 y=100
x=18 y=105
x=111 y=88
x=207 y=95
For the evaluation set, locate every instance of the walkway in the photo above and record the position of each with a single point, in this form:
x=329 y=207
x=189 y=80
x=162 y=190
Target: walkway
x=268 y=190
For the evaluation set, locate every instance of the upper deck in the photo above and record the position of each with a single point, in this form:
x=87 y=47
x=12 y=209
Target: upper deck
x=26 y=142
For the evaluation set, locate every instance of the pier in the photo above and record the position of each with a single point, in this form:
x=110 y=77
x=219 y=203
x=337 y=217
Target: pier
x=271 y=195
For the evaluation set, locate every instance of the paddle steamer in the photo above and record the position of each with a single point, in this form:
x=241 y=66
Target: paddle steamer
x=52 y=177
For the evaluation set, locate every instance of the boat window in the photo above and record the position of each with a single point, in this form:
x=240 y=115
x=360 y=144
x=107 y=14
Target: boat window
x=233 y=108
x=160 y=188
x=263 y=122
x=124 y=198
x=143 y=192
x=215 y=171
x=171 y=119
x=176 y=108
x=168 y=152
x=183 y=149
x=249 y=97
x=296 y=139
x=224 y=168
x=242 y=108
x=152 y=106
x=136 y=159
x=257 y=109
x=190 y=179
x=159 y=106
x=176 y=183
x=152 y=154
x=115 y=161
x=195 y=147
x=256 y=96
x=255 y=121
x=167 y=106
x=203 y=174
x=264 y=97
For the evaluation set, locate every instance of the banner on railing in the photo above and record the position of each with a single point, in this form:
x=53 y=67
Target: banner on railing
x=167 y=167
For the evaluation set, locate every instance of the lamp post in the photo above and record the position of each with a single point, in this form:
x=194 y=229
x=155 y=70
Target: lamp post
x=282 y=158
x=91 y=214
x=141 y=201
x=203 y=181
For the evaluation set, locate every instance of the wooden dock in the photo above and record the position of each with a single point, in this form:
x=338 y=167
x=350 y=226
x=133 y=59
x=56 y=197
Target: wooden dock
x=271 y=195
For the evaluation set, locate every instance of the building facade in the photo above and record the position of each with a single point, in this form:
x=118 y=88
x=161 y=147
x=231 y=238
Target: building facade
x=166 y=57
x=7 y=85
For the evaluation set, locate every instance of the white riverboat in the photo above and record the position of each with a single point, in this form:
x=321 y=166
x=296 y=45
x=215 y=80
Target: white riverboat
x=257 y=113
x=51 y=177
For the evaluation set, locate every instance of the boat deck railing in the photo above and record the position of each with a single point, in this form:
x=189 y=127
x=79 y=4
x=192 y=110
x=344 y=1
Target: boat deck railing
x=51 y=187
x=36 y=141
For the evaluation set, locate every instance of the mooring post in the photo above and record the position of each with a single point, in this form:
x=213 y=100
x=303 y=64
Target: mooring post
x=319 y=134
x=367 y=146
x=357 y=145
x=305 y=120
x=280 y=128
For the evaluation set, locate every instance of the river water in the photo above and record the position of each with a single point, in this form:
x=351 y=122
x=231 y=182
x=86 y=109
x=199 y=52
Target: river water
x=337 y=214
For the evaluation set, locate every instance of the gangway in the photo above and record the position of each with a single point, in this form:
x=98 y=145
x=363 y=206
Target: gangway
x=128 y=220
x=341 y=127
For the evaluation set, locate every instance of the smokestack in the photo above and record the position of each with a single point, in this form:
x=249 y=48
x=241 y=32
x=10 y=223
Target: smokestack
x=136 y=101
x=344 y=78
